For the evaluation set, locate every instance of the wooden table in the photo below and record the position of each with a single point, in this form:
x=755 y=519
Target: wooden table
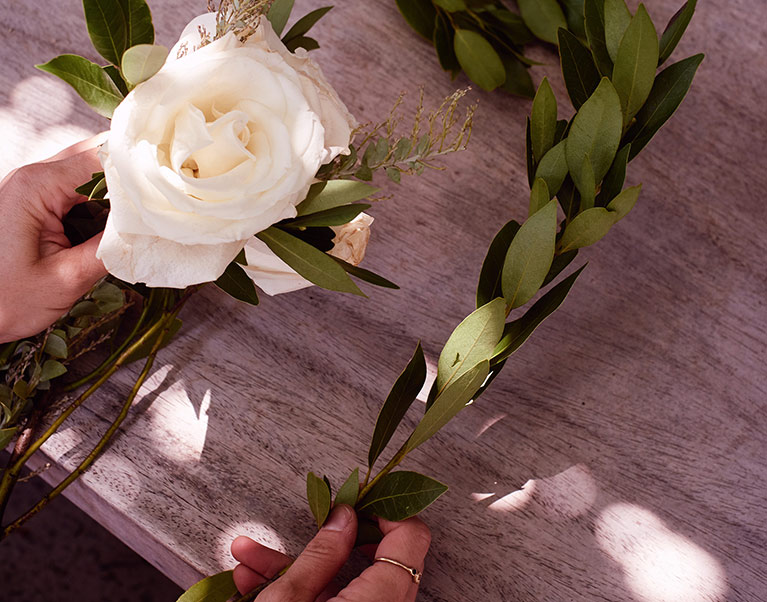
x=621 y=454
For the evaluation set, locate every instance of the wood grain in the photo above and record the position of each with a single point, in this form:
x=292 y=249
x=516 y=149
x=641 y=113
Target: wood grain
x=621 y=454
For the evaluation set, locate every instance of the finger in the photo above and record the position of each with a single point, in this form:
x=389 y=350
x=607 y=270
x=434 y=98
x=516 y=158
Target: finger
x=406 y=542
x=323 y=557
x=259 y=558
x=246 y=579
x=76 y=269
x=78 y=147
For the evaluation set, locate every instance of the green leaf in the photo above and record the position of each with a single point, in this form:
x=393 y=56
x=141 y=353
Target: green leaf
x=420 y=15
x=116 y=25
x=326 y=195
x=518 y=80
x=399 y=400
x=400 y=495
x=635 y=65
x=471 y=342
x=443 y=44
x=279 y=13
x=217 y=588
x=479 y=59
x=587 y=184
x=543 y=17
x=529 y=257
x=561 y=261
x=578 y=69
x=141 y=62
x=574 y=13
x=6 y=436
x=236 y=283
x=553 y=168
x=615 y=178
x=668 y=92
x=365 y=275
x=314 y=265
x=335 y=216
x=595 y=34
x=88 y=79
x=318 y=495
x=489 y=286
x=305 y=23
x=675 y=30
x=452 y=6
x=595 y=133
x=518 y=331
x=617 y=19
x=367 y=532
x=88 y=188
x=117 y=78
x=543 y=120
x=529 y=154
x=55 y=346
x=52 y=369
x=591 y=225
x=108 y=297
x=350 y=490
x=539 y=196
x=452 y=400
x=304 y=42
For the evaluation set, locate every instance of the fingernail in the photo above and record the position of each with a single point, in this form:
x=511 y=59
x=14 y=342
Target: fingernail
x=339 y=519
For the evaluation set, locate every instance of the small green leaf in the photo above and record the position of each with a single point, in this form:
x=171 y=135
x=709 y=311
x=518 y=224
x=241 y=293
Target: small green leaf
x=615 y=178
x=624 y=202
x=518 y=331
x=335 y=216
x=578 y=68
x=304 y=42
x=279 y=13
x=108 y=297
x=531 y=164
x=451 y=6
x=420 y=15
x=539 y=196
x=141 y=62
x=561 y=261
x=365 y=275
x=314 y=265
x=87 y=189
x=595 y=34
x=518 y=80
x=452 y=400
x=52 y=369
x=117 y=78
x=529 y=257
x=367 y=532
x=305 y=23
x=217 y=588
x=55 y=346
x=6 y=436
x=471 y=342
x=489 y=286
x=400 y=495
x=318 y=495
x=668 y=92
x=553 y=168
x=116 y=25
x=586 y=184
x=617 y=19
x=595 y=133
x=635 y=64
x=574 y=13
x=443 y=44
x=326 y=195
x=21 y=389
x=543 y=17
x=399 y=400
x=88 y=79
x=479 y=59
x=675 y=30
x=236 y=283
x=350 y=490
x=543 y=120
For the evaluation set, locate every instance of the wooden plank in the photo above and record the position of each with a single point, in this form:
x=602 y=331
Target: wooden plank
x=620 y=456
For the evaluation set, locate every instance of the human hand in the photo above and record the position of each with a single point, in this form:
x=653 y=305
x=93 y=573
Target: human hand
x=41 y=274
x=310 y=576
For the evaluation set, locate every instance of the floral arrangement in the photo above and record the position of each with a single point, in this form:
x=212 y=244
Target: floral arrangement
x=610 y=60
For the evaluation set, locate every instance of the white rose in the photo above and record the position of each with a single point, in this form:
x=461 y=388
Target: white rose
x=274 y=276
x=221 y=143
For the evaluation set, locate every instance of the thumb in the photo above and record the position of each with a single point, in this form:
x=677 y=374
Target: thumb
x=320 y=561
x=77 y=269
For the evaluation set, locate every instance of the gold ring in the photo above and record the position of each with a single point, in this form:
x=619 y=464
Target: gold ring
x=416 y=575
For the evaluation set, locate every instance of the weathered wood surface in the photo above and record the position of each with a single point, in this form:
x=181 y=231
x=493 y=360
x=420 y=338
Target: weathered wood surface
x=634 y=418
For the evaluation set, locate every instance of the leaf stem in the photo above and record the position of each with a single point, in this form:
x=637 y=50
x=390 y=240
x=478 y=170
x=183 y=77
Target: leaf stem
x=395 y=461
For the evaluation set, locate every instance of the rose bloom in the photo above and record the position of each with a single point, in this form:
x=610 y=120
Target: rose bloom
x=221 y=143
x=274 y=276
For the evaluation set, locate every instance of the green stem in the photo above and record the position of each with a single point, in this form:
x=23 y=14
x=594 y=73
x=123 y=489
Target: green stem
x=395 y=461
x=165 y=322
x=252 y=594
x=107 y=362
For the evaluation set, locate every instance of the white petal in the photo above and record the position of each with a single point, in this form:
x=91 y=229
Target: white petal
x=269 y=272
